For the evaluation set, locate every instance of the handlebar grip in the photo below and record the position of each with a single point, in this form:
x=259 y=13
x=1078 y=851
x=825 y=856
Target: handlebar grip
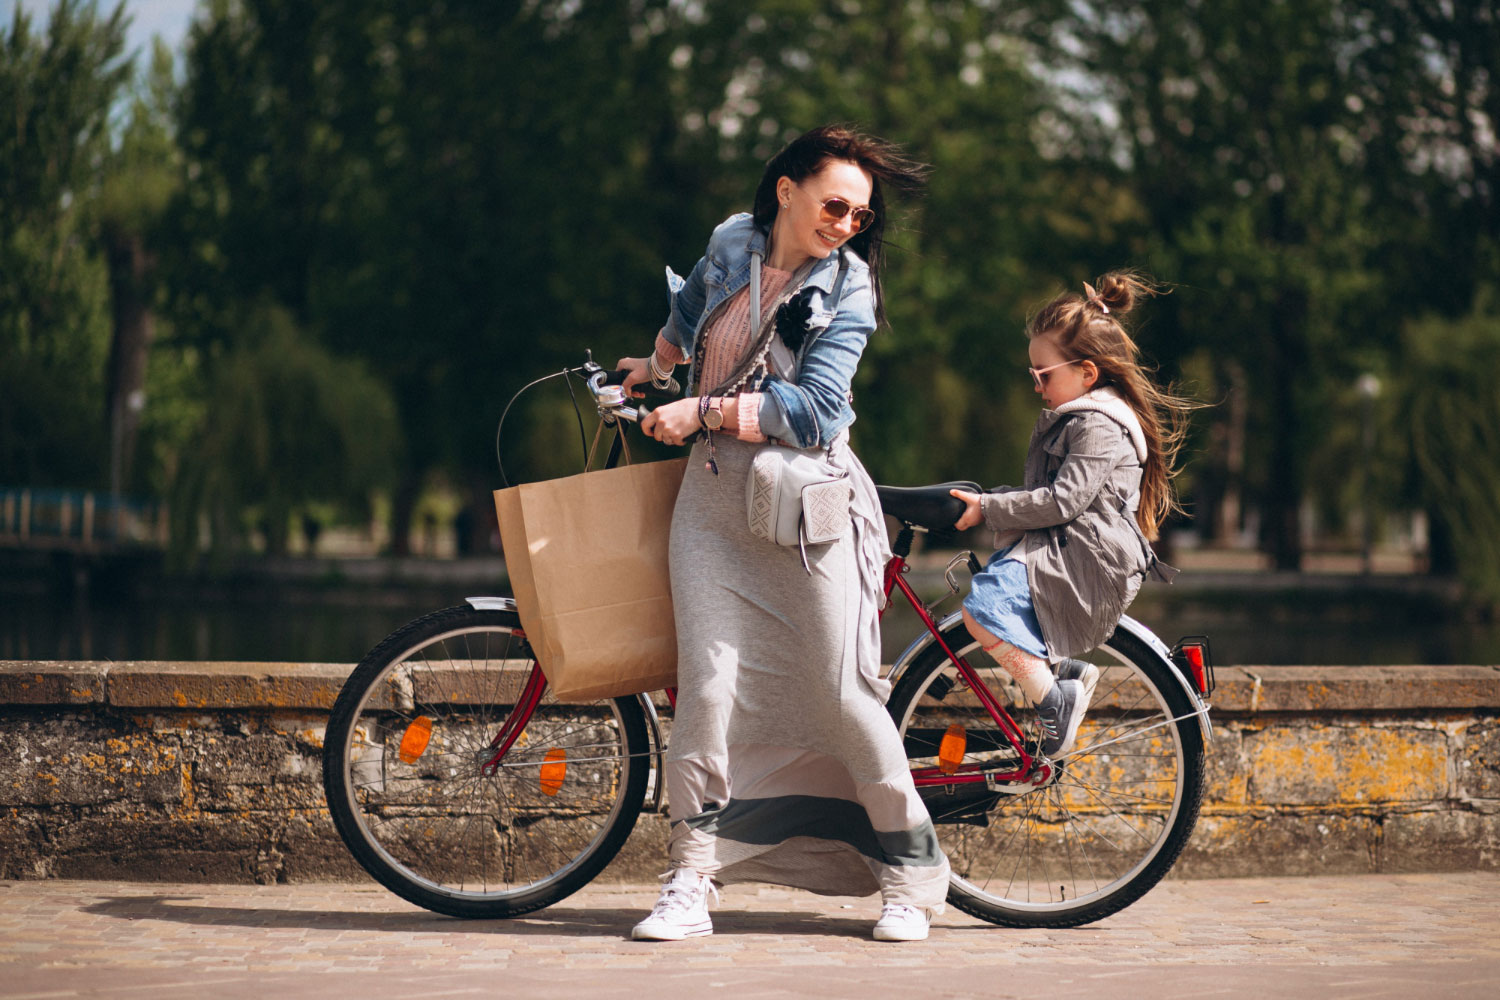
x=646 y=388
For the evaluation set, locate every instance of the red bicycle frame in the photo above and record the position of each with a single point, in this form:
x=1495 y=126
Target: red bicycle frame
x=966 y=773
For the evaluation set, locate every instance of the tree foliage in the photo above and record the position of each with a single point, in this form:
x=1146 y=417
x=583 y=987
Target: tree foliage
x=1451 y=417
x=56 y=89
x=443 y=201
x=282 y=414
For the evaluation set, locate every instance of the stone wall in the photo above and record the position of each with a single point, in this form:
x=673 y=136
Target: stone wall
x=210 y=771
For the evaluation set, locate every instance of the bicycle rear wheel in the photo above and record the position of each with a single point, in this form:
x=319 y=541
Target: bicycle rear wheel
x=403 y=768
x=1100 y=836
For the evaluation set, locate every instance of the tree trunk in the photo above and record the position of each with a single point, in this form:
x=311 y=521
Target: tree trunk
x=131 y=268
x=1231 y=501
x=403 y=504
x=1285 y=480
x=1442 y=556
x=477 y=529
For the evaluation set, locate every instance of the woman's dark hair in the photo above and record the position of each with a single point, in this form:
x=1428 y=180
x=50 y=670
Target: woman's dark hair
x=883 y=161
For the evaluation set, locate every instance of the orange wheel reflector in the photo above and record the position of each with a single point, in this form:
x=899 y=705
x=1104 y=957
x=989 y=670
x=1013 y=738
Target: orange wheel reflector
x=414 y=741
x=951 y=750
x=554 y=770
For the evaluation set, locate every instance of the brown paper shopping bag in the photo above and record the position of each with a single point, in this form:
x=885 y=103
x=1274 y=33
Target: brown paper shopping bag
x=587 y=559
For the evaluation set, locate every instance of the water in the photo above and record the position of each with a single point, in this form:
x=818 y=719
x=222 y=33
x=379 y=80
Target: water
x=339 y=625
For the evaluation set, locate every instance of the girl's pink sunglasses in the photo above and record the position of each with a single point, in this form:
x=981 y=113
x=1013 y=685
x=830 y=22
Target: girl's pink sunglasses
x=1039 y=375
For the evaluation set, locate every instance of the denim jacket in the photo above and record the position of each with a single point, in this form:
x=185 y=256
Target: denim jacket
x=810 y=410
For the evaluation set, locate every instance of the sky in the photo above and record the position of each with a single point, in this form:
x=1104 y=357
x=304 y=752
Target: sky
x=167 y=18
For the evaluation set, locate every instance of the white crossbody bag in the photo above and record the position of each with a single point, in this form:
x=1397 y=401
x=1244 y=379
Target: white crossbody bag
x=793 y=497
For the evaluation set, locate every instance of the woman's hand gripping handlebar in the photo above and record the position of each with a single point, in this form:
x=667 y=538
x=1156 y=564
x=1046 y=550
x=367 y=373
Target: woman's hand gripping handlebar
x=674 y=422
x=611 y=392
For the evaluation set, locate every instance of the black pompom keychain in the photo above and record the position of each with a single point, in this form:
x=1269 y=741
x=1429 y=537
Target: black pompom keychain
x=791 y=320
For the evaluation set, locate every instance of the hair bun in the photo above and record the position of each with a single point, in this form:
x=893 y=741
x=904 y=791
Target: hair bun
x=1118 y=292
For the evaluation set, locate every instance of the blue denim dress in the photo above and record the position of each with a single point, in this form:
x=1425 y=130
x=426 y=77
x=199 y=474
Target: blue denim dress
x=1000 y=600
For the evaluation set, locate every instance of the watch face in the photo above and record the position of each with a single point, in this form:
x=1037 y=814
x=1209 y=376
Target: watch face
x=713 y=419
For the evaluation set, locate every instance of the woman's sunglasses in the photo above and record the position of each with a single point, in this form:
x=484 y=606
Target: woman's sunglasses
x=834 y=209
x=1039 y=375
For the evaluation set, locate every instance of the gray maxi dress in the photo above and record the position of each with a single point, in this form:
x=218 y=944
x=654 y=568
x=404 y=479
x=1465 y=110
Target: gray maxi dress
x=783 y=764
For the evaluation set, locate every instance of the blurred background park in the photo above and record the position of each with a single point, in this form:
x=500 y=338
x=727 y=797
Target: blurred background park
x=271 y=269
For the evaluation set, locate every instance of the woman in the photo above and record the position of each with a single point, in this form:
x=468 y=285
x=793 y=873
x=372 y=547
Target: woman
x=783 y=764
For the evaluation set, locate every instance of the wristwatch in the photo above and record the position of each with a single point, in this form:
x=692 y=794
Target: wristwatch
x=711 y=416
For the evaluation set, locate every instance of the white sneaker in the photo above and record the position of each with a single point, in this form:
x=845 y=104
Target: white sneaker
x=899 y=922
x=682 y=909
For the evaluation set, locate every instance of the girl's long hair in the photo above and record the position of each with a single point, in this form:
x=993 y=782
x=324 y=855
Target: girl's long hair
x=883 y=161
x=1088 y=327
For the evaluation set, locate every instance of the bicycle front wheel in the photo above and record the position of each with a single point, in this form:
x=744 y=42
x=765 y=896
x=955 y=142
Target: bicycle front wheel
x=1088 y=844
x=405 y=770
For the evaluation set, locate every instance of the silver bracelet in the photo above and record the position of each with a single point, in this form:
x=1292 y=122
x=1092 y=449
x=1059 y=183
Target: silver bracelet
x=659 y=378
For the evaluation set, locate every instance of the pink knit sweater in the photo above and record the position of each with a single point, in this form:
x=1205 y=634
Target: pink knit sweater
x=726 y=340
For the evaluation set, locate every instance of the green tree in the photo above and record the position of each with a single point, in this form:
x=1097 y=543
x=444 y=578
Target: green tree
x=1447 y=413
x=454 y=193
x=56 y=90
x=284 y=425
x=140 y=177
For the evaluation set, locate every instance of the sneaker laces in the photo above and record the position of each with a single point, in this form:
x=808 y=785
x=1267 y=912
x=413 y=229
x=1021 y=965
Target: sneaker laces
x=1049 y=720
x=682 y=893
x=902 y=911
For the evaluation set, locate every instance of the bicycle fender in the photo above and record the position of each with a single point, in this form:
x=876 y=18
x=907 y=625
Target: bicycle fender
x=1141 y=632
x=491 y=603
x=918 y=645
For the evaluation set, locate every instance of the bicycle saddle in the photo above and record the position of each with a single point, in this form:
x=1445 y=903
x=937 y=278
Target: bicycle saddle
x=929 y=507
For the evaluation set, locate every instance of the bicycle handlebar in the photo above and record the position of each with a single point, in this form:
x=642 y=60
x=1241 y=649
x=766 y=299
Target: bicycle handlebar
x=604 y=384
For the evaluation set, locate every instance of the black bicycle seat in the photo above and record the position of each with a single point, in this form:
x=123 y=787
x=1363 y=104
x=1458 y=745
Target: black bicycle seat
x=930 y=507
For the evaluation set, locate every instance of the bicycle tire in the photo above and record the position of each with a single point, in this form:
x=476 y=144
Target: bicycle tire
x=557 y=810
x=1100 y=837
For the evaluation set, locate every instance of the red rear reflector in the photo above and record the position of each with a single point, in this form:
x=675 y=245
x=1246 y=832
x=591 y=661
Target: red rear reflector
x=1194 y=656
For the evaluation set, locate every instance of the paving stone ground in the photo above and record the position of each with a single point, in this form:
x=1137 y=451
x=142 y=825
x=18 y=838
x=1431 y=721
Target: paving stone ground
x=1407 y=936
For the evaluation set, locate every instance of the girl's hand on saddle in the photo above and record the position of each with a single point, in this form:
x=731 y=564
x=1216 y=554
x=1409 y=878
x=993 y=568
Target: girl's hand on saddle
x=640 y=371
x=673 y=423
x=972 y=515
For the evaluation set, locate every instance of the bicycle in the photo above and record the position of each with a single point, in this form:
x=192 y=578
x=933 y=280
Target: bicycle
x=459 y=783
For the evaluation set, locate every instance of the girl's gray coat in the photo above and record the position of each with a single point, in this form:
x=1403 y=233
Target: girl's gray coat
x=1085 y=555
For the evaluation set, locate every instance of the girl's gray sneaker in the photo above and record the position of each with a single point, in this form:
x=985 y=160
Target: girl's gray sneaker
x=1060 y=713
x=1079 y=670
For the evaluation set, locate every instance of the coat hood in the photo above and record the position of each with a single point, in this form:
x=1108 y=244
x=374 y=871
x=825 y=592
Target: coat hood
x=1109 y=402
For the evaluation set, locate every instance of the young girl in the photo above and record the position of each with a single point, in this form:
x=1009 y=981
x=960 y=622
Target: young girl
x=1073 y=542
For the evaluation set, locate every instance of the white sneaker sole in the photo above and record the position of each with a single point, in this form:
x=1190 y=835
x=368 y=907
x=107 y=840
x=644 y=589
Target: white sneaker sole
x=1090 y=678
x=673 y=932
x=900 y=934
